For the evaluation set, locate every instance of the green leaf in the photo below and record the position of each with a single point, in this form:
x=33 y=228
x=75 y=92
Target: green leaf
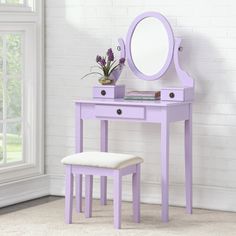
x=113 y=69
x=91 y=74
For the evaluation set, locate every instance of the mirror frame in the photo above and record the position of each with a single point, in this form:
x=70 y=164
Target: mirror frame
x=170 y=34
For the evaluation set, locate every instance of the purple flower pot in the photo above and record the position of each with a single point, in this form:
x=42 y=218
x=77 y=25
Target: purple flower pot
x=116 y=74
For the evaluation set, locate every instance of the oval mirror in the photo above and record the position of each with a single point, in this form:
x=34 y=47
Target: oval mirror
x=149 y=46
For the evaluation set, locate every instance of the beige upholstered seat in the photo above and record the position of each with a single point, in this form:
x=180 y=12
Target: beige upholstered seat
x=102 y=159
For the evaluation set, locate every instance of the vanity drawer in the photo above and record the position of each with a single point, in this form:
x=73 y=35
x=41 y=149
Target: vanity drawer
x=177 y=94
x=109 y=91
x=125 y=112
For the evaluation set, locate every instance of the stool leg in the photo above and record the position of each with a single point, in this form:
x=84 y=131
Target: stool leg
x=136 y=194
x=69 y=194
x=117 y=199
x=88 y=195
x=103 y=190
x=78 y=187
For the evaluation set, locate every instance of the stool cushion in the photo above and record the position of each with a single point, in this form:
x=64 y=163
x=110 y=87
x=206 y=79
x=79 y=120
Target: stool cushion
x=102 y=159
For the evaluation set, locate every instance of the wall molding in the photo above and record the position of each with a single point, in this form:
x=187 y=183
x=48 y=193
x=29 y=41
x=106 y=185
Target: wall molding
x=206 y=197
x=24 y=190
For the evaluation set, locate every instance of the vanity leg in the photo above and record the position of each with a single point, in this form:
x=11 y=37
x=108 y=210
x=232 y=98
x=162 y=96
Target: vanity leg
x=78 y=148
x=104 y=148
x=188 y=161
x=165 y=169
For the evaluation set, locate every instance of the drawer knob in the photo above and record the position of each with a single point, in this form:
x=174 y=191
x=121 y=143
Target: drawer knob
x=103 y=92
x=172 y=95
x=119 y=111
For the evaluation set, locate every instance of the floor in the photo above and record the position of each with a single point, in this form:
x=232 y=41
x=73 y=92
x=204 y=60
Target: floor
x=44 y=217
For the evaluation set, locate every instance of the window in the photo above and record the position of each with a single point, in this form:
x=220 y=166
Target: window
x=21 y=98
x=11 y=59
x=16 y=5
x=16 y=2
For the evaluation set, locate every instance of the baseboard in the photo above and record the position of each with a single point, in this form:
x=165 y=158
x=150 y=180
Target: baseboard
x=23 y=190
x=207 y=197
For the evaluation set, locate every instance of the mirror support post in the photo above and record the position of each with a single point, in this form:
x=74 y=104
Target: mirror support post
x=186 y=80
x=122 y=48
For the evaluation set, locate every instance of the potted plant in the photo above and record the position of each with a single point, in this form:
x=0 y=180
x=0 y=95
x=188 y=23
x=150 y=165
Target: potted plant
x=109 y=68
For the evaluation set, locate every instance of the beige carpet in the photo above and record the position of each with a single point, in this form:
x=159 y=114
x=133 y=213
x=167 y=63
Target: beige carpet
x=45 y=217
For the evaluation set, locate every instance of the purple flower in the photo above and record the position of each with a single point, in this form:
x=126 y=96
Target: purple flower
x=109 y=51
x=122 y=61
x=103 y=62
x=110 y=55
x=98 y=58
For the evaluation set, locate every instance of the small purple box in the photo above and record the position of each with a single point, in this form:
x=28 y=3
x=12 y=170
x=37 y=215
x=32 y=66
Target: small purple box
x=177 y=94
x=109 y=91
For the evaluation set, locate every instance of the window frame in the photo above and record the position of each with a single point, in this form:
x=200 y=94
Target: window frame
x=32 y=110
x=7 y=7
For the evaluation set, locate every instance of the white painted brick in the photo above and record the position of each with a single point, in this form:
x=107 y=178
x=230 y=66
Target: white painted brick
x=77 y=30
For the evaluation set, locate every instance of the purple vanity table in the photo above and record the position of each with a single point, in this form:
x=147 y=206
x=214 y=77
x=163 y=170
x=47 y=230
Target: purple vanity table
x=151 y=112
x=175 y=105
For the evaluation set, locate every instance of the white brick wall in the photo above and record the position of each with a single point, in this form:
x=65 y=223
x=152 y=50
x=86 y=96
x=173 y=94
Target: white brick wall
x=76 y=30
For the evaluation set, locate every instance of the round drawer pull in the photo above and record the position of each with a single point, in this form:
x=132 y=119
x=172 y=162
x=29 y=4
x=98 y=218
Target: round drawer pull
x=172 y=95
x=119 y=111
x=103 y=92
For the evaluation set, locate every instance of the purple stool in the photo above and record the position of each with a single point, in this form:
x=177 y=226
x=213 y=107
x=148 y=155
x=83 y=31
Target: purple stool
x=101 y=164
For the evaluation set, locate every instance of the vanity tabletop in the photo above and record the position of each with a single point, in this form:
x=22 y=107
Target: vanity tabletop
x=121 y=101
